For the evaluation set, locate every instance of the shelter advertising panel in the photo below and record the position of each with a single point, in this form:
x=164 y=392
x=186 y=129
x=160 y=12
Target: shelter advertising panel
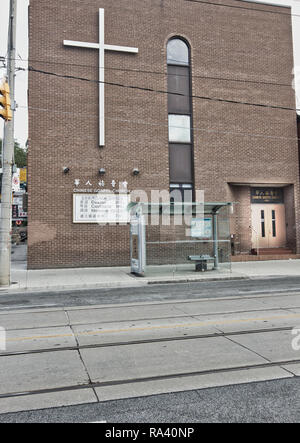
x=201 y=228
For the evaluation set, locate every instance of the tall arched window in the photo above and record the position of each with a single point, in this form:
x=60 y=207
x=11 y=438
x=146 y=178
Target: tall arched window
x=180 y=116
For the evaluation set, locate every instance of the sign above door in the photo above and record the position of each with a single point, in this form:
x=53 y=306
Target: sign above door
x=267 y=195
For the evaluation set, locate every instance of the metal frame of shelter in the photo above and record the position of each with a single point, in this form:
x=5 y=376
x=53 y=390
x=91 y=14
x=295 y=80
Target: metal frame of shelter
x=138 y=253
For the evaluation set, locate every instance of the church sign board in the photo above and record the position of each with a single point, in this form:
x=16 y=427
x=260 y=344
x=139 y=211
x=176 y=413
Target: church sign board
x=267 y=195
x=101 y=208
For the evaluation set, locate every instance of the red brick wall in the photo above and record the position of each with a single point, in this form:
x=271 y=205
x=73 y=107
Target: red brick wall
x=233 y=143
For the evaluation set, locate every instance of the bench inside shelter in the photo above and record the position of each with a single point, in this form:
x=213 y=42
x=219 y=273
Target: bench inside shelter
x=202 y=262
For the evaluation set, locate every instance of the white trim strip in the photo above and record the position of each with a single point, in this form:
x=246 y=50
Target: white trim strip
x=81 y=44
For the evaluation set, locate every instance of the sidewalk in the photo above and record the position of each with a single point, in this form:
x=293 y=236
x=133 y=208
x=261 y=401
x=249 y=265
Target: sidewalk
x=90 y=278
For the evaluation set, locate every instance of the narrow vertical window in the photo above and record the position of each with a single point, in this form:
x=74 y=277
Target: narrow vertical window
x=274 y=223
x=180 y=115
x=263 y=229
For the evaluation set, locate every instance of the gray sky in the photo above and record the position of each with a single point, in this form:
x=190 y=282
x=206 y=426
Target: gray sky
x=22 y=51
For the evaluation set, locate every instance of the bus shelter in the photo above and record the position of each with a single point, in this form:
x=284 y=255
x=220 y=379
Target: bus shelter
x=180 y=238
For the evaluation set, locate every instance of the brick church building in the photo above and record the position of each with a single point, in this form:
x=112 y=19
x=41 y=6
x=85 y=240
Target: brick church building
x=159 y=94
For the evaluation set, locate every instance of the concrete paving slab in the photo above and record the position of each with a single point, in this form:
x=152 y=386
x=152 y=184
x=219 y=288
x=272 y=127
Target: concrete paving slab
x=92 y=315
x=225 y=306
x=36 y=339
x=166 y=358
x=23 y=373
x=187 y=269
x=190 y=383
x=32 y=308
x=58 y=279
x=237 y=305
x=53 y=277
x=33 y=320
x=140 y=330
x=50 y=400
x=248 y=321
x=124 y=313
x=294 y=369
x=268 y=268
x=183 y=273
x=295 y=310
x=287 y=302
x=274 y=346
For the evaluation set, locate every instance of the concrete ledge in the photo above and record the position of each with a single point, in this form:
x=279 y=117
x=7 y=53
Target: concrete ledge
x=195 y=279
x=16 y=290
x=191 y=383
x=45 y=401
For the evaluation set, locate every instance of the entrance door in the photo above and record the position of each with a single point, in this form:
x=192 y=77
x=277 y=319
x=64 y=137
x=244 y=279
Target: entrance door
x=268 y=226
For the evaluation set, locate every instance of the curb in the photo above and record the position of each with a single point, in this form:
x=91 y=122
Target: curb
x=12 y=290
x=134 y=284
x=195 y=280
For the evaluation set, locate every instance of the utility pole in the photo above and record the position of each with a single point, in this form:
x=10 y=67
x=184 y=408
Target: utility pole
x=8 y=154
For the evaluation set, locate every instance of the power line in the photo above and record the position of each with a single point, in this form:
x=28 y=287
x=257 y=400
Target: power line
x=134 y=87
x=243 y=7
x=144 y=122
x=154 y=72
x=194 y=76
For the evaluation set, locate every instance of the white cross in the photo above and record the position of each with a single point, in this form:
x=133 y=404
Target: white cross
x=102 y=48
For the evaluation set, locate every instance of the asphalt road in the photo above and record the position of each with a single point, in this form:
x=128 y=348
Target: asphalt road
x=151 y=293
x=267 y=402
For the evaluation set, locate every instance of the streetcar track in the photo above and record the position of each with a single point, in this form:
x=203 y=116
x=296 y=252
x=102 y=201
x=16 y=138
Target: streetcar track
x=78 y=348
x=144 y=319
x=179 y=304
x=95 y=385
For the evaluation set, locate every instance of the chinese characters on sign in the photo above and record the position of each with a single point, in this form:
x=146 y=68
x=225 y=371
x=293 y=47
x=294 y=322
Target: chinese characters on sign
x=15 y=212
x=267 y=195
x=114 y=185
x=19 y=207
x=101 y=208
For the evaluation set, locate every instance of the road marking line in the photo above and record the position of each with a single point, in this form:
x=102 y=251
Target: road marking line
x=150 y=328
